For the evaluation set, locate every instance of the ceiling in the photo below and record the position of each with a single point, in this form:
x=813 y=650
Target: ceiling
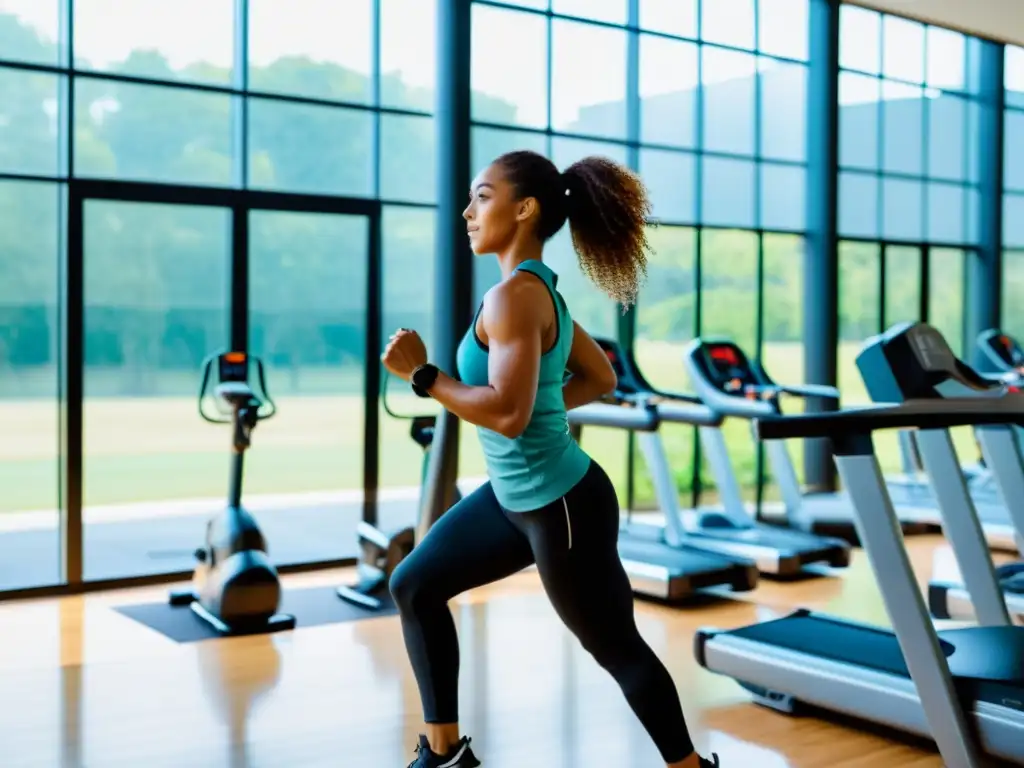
x=995 y=19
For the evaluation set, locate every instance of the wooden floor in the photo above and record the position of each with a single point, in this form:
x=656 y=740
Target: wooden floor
x=85 y=686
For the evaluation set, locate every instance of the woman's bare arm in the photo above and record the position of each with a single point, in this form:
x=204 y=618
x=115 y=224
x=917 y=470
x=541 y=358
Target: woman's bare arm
x=592 y=373
x=515 y=342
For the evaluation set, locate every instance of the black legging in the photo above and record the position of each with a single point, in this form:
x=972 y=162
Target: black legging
x=573 y=543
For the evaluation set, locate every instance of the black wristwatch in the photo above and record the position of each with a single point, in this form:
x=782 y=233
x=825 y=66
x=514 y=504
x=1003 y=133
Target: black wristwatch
x=423 y=379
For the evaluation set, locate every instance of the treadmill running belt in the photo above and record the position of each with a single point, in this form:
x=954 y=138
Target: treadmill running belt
x=860 y=646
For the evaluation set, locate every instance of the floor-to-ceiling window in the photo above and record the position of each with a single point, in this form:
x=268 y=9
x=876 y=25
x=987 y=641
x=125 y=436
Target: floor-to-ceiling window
x=32 y=162
x=284 y=101
x=723 y=98
x=908 y=184
x=1013 y=192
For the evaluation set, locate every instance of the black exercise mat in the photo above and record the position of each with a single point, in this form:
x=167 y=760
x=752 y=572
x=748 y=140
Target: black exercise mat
x=311 y=607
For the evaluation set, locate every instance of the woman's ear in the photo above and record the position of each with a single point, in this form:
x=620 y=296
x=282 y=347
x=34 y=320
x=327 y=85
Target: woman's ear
x=527 y=208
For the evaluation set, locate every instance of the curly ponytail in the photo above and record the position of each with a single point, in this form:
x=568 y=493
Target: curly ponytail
x=606 y=206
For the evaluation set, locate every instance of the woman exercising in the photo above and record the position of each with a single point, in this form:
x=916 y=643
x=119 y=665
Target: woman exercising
x=546 y=501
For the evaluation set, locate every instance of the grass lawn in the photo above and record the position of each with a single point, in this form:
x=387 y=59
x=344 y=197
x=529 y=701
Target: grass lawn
x=152 y=449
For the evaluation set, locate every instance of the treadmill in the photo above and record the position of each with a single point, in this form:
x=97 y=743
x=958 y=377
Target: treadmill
x=990 y=497
x=669 y=569
x=729 y=530
x=730 y=383
x=1001 y=450
x=963 y=688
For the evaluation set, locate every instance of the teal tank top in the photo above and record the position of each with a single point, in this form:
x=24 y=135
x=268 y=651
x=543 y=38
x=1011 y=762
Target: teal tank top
x=543 y=463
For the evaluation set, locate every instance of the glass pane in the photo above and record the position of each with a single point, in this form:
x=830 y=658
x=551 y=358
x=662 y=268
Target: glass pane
x=973 y=139
x=674 y=17
x=860 y=39
x=666 y=323
x=503 y=94
x=588 y=92
x=30 y=121
x=947 y=59
x=1013 y=220
x=782 y=347
x=902 y=214
x=902 y=127
x=1013 y=150
x=1013 y=289
x=408 y=54
x=161 y=40
x=729 y=84
x=860 y=283
x=946 y=213
x=783 y=197
x=565 y=152
x=903 y=54
x=1013 y=75
x=152 y=133
x=668 y=91
x=30 y=253
x=408 y=158
x=858 y=204
x=973 y=211
x=307 y=310
x=312 y=149
x=783 y=110
x=783 y=28
x=728 y=192
x=902 y=285
x=859 y=114
x=671 y=180
x=728 y=306
x=491 y=143
x=611 y=11
x=156 y=292
x=667 y=305
x=729 y=22
x=947 y=138
x=29 y=31
x=946 y=285
x=728 y=286
x=326 y=54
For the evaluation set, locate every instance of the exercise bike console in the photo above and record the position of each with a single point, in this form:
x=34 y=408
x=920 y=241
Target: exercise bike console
x=235 y=586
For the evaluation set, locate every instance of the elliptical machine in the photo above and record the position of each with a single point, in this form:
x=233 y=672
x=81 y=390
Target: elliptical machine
x=235 y=587
x=381 y=551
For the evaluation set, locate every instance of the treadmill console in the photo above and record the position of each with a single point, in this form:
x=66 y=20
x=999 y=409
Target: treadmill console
x=728 y=369
x=232 y=367
x=914 y=361
x=1003 y=351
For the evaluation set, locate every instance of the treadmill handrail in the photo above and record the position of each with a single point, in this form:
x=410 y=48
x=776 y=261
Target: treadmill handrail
x=921 y=414
x=674 y=411
x=632 y=415
x=817 y=391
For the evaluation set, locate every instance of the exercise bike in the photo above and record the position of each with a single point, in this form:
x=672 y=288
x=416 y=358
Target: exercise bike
x=381 y=551
x=235 y=587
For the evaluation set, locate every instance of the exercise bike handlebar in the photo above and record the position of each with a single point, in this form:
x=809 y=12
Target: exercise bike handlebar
x=233 y=387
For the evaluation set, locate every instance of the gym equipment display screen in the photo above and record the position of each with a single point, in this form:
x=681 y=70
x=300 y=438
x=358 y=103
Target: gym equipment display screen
x=727 y=363
x=1008 y=350
x=234 y=366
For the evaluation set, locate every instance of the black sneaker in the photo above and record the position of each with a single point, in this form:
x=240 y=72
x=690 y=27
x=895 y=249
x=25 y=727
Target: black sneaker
x=713 y=763
x=459 y=756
